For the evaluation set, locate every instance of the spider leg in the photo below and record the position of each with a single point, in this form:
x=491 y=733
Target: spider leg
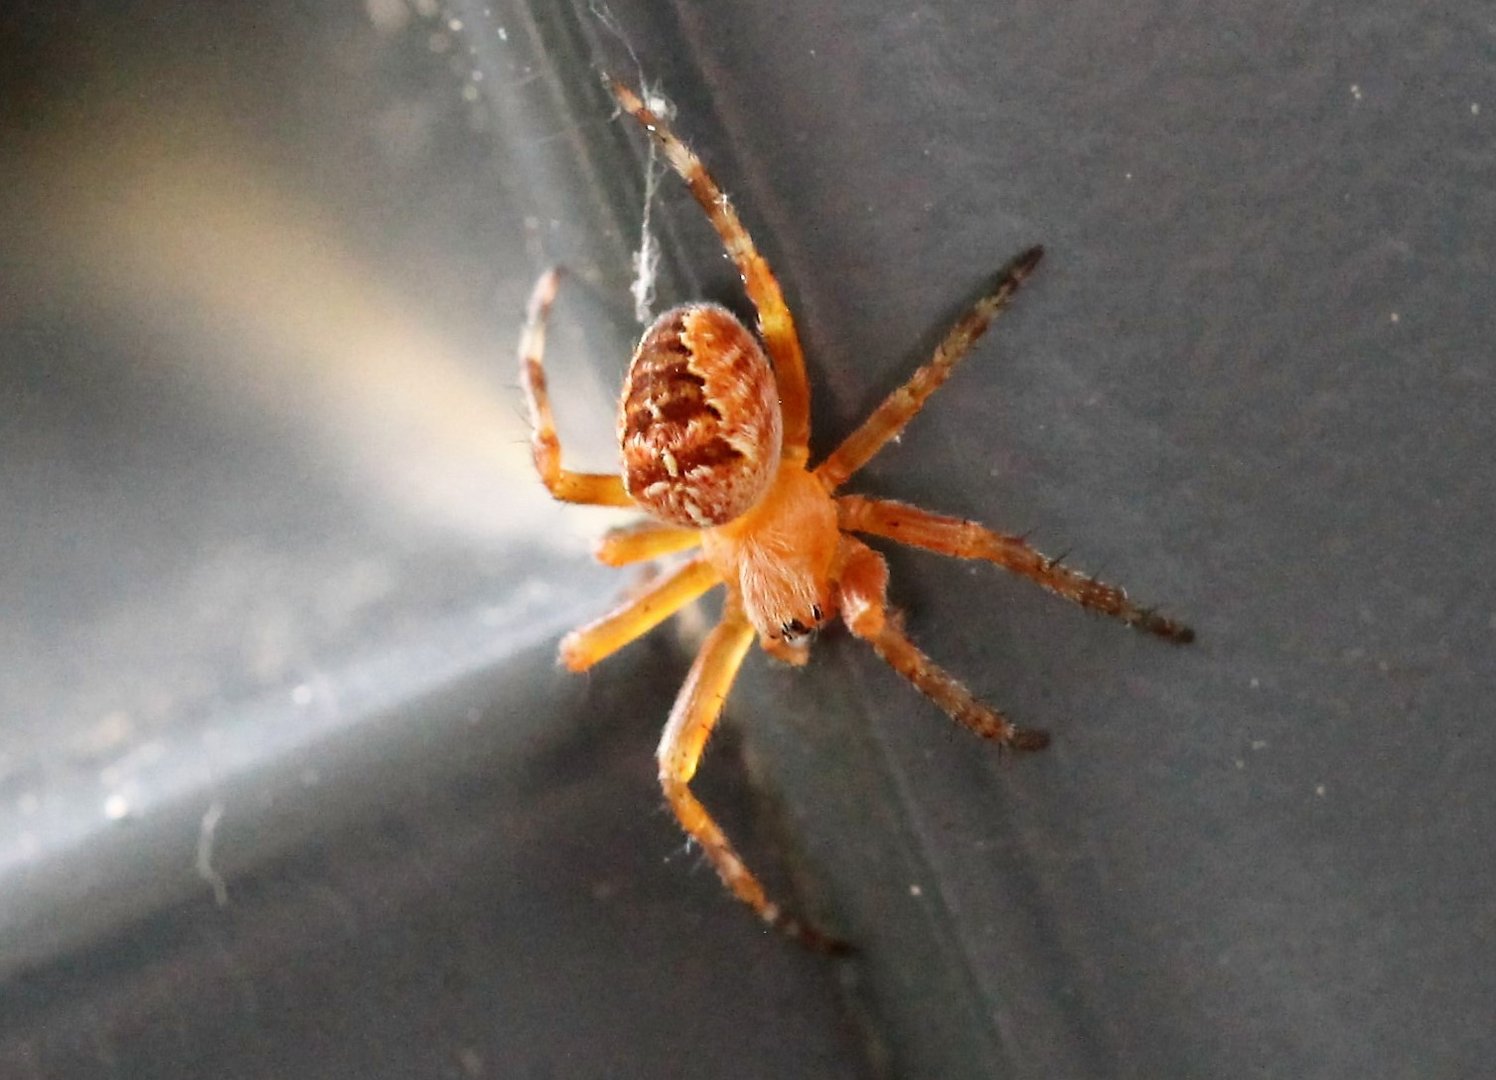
x=574 y=487
x=864 y=585
x=686 y=733
x=643 y=540
x=968 y=540
x=598 y=640
x=775 y=323
x=889 y=418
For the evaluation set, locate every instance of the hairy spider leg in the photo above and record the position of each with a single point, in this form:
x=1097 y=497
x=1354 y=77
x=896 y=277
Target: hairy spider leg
x=889 y=418
x=864 y=588
x=775 y=323
x=637 y=616
x=641 y=540
x=592 y=488
x=692 y=719
x=969 y=540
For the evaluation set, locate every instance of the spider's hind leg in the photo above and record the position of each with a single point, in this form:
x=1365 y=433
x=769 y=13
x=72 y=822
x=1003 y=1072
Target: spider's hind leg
x=864 y=584
x=889 y=418
x=775 y=322
x=573 y=487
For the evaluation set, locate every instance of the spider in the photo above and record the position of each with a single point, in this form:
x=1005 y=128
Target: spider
x=714 y=430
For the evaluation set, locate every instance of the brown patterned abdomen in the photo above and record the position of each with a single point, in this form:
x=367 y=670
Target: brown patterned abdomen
x=699 y=420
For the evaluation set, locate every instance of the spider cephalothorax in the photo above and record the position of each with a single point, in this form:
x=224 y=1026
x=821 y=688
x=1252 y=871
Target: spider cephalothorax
x=714 y=431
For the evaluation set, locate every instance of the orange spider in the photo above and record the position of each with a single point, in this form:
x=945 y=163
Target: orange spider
x=715 y=443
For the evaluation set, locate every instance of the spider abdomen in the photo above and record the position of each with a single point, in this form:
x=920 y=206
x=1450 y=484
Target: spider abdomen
x=699 y=421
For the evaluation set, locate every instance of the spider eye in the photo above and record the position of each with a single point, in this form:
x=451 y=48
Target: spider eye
x=815 y=612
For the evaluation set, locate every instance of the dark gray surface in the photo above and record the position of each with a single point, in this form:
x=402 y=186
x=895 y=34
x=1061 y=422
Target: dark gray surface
x=1252 y=382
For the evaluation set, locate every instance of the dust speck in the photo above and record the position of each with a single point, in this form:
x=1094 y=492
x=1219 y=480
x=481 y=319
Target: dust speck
x=116 y=807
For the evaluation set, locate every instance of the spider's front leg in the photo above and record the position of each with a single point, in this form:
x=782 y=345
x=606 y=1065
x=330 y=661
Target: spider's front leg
x=864 y=607
x=642 y=540
x=598 y=640
x=573 y=487
x=686 y=733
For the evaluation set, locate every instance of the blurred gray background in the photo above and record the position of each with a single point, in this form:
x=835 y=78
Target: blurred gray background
x=289 y=782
